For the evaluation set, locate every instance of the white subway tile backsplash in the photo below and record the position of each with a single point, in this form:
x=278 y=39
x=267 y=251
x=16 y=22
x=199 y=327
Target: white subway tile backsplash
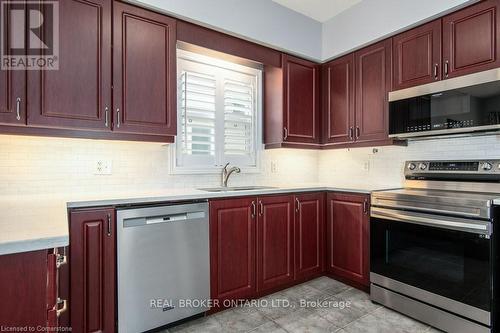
x=38 y=165
x=386 y=166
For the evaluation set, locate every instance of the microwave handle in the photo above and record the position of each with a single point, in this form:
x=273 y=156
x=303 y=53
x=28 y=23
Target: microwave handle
x=444 y=222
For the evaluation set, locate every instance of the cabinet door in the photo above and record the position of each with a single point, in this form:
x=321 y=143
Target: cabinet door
x=373 y=82
x=470 y=39
x=348 y=237
x=23 y=289
x=232 y=248
x=309 y=235
x=417 y=56
x=301 y=105
x=12 y=85
x=79 y=93
x=274 y=242
x=92 y=270
x=144 y=76
x=339 y=100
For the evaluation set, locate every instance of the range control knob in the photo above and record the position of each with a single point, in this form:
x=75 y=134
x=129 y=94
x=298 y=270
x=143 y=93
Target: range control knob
x=422 y=166
x=413 y=166
x=487 y=166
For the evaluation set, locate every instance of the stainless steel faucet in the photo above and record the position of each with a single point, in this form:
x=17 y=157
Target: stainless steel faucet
x=227 y=172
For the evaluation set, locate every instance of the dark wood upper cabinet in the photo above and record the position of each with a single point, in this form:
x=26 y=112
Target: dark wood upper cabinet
x=373 y=83
x=232 y=248
x=12 y=85
x=338 y=100
x=144 y=72
x=275 y=242
x=92 y=270
x=301 y=116
x=77 y=95
x=292 y=104
x=417 y=56
x=471 y=39
x=309 y=235
x=348 y=237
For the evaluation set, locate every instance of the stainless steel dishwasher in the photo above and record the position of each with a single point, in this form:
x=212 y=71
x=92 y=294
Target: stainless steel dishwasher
x=163 y=260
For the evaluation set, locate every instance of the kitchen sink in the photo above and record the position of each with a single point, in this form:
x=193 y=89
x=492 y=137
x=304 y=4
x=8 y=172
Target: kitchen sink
x=236 y=188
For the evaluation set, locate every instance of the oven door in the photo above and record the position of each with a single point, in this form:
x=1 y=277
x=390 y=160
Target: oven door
x=443 y=261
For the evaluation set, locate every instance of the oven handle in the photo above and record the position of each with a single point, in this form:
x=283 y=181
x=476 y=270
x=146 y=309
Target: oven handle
x=445 y=222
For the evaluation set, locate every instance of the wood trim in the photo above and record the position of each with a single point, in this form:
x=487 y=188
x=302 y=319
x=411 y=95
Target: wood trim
x=82 y=134
x=211 y=39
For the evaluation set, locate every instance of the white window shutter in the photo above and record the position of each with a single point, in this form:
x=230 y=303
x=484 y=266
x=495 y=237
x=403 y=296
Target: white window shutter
x=239 y=118
x=218 y=114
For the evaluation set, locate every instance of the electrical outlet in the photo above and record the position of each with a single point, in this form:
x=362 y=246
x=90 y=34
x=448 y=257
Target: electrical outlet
x=103 y=167
x=274 y=167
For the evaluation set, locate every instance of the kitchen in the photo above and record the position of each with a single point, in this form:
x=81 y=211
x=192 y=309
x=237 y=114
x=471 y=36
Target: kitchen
x=170 y=167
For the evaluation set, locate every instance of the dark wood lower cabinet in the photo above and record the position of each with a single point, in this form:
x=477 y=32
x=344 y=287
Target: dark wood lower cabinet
x=259 y=245
x=275 y=266
x=232 y=248
x=29 y=290
x=92 y=270
x=309 y=235
x=348 y=237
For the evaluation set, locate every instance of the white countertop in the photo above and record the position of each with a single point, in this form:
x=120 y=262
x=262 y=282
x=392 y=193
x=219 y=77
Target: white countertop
x=30 y=223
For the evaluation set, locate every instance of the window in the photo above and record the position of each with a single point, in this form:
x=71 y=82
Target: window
x=218 y=115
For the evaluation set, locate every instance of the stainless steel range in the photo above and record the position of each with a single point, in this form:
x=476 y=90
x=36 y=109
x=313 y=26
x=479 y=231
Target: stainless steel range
x=433 y=250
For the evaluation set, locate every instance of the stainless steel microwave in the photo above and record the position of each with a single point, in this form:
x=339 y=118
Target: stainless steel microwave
x=460 y=105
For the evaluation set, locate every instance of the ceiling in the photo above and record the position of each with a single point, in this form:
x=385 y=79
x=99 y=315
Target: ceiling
x=319 y=10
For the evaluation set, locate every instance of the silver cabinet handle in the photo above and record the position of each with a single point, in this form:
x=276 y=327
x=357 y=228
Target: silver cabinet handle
x=351 y=133
x=254 y=210
x=18 y=108
x=446 y=64
x=61 y=260
x=285 y=130
x=297 y=207
x=357 y=132
x=60 y=311
x=436 y=68
x=365 y=207
x=106 y=116
x=109 y=225
x=261 y=208
x=118 y=118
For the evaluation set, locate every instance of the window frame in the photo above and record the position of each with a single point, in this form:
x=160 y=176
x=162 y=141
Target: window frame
x=220 y=161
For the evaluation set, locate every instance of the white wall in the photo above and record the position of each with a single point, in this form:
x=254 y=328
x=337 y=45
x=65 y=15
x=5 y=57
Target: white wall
x=372 y=20
x=262 y=21
x=60 y=166
x=360 y=166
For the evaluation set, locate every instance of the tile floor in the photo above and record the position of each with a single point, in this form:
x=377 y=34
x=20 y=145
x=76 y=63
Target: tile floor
x=293 y=316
